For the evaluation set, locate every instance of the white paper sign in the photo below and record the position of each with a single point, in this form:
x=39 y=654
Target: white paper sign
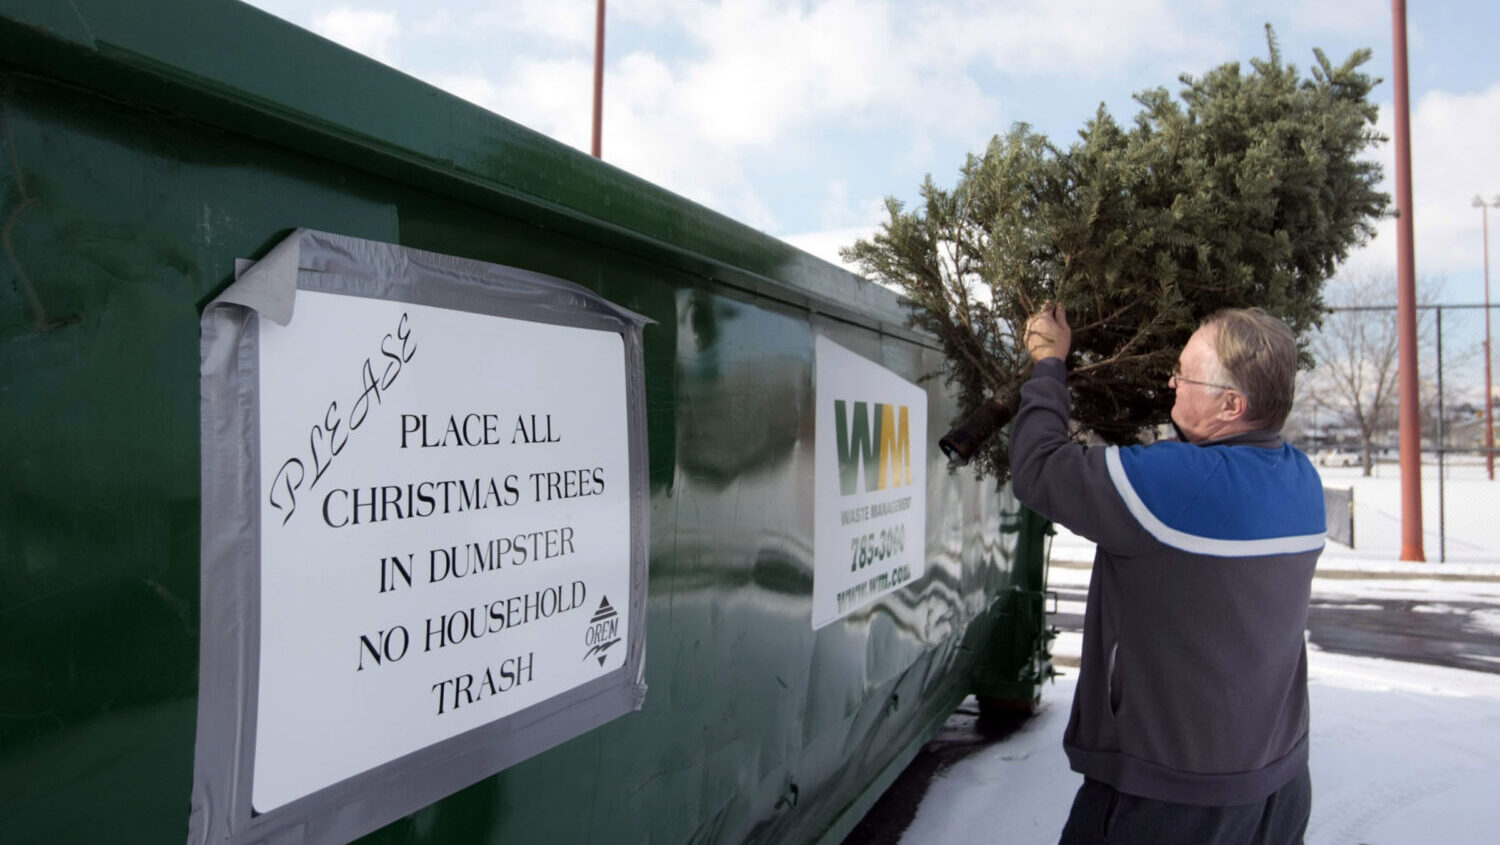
x=870 y=511
x=445 y=529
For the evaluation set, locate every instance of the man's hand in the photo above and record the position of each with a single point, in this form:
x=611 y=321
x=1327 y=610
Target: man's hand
x=1047 y=333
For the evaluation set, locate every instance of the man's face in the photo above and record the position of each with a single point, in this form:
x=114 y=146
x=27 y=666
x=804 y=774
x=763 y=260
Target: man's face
x=1198 y=407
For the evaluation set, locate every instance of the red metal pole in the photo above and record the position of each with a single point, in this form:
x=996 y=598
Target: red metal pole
x=1489 y=386
x=1406 y=307
x=598 y=80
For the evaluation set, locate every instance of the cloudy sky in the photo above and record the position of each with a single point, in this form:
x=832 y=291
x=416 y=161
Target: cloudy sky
x=798 y=117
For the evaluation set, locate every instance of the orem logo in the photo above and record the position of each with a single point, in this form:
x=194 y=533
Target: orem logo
x=885 y=452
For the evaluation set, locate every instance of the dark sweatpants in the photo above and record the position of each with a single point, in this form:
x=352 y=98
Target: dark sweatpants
x=1103 y=814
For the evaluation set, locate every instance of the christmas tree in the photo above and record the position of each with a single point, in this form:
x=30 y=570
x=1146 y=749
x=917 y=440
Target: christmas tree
x=1246 y=190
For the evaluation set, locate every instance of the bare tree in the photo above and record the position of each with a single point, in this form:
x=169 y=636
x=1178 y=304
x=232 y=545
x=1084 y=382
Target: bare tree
x=1357 y=354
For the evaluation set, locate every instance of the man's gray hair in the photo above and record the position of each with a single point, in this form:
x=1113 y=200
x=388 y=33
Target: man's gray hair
x=1258 y=354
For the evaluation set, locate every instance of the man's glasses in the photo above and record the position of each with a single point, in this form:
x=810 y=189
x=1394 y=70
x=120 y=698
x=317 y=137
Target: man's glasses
x=1177 y=377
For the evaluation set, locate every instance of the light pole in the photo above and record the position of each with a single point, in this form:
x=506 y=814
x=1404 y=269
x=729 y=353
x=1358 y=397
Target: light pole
x=1489 y=385
x=596 y=146
x=1406 y=301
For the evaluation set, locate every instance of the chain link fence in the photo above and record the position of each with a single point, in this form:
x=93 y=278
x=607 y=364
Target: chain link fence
x=1347 y=408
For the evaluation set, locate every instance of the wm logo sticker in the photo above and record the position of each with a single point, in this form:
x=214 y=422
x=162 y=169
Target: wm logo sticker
x=884 y=451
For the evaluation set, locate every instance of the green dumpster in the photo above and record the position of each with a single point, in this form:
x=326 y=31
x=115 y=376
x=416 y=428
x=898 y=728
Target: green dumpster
x=802 y=589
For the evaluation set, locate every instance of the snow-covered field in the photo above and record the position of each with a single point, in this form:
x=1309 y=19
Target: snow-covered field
x=1467 y=512
x=1402 y=753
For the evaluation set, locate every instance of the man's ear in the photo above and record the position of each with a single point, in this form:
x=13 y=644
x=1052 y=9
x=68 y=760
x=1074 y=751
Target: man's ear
x=1234 y=407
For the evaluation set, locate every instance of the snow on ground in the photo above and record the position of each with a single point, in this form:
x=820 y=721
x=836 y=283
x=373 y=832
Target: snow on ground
x=1402 y=753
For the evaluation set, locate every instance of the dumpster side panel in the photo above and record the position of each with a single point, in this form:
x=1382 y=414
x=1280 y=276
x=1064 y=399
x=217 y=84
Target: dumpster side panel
x=132 y=180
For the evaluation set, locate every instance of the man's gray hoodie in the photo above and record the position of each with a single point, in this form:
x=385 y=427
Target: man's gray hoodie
x=1193 y=682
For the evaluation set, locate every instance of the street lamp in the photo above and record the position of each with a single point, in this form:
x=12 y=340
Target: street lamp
x=596 y=146
x=1489 y=396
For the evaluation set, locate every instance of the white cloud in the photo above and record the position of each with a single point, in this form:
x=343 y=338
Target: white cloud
x=568 y=23
x=367 y=31
x=435 y=23
x=835 y=210
x=1453 y=158
x=1066 y=37
x=474 y=87
x=662 y=144
x=766 y=68
x=1364 y=18
x=826 y=244
x=554 y=96
x=764 y=80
